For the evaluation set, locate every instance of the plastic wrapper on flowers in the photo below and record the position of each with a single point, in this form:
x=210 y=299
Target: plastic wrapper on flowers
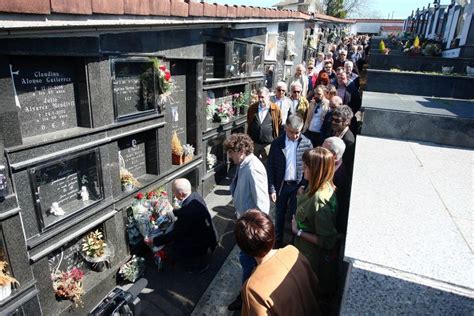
x=150 y=215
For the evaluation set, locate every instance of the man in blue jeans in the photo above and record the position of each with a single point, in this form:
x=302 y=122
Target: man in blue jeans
x=249 y=191
x=285 y=171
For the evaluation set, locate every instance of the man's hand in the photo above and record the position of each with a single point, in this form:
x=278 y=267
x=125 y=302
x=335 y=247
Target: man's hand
x=273 y=197
x=300 y=190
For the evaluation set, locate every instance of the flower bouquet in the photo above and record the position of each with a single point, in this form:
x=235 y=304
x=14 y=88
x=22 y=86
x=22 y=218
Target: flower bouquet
x=96 y=251
x=240 y=101
x=211 y=160
x=6 y=281
x=210 y=108
x=225 y=112
x=68 y=285
x=165 y=83
x=151 y=214
x=133 y=269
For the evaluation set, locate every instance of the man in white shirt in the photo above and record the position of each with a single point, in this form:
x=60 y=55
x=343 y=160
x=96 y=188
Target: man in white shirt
x=280 y=99
x=284 y=170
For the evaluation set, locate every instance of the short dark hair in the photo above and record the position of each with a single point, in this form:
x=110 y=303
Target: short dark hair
x=237 y=142
x=255 y=233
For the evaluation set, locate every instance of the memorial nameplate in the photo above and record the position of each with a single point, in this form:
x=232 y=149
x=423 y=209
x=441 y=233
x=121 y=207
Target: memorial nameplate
x=66 y=187
x=134 y=87
x=132 y=155
x=67 y=257
x=208 y=67
x=45 y=94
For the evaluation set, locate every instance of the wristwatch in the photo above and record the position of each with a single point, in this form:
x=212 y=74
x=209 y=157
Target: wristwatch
x=299 y=232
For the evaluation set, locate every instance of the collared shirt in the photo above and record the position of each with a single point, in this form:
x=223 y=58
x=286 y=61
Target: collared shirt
x=316 y=121
x=290 y=154
x=262 y=112
x=294 y=106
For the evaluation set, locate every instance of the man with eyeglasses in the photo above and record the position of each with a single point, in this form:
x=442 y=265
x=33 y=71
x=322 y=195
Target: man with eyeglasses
x=263 y=123
x=299 y=104
x=341 y=120
x=312 y=77
x=301 y=78
x=284 y=171
x=329 y=70
x=280 y=99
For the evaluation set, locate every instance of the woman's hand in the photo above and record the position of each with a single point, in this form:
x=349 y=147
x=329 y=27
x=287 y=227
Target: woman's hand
x=294 y=226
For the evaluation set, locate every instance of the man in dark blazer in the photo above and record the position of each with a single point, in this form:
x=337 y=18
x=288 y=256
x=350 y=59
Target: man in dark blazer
x=193 y=233
x=285 y=170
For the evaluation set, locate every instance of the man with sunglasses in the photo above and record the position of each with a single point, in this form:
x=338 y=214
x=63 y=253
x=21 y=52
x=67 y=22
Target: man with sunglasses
x=341 y=120
x=280 y=99
x=312 y=77
x=299 y=104
x=329 y=70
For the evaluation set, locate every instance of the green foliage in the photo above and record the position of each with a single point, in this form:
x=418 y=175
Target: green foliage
x=336 y=8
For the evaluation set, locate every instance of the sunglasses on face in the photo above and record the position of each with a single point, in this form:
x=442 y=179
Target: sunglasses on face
x=280 y=90
x=296 y=91
x=310 y=67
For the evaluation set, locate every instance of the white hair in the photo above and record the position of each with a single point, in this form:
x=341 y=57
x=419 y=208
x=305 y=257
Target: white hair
x=349 y=63
x=282 y=84
x=336 y=145
x=182 y=185
x=295 y=84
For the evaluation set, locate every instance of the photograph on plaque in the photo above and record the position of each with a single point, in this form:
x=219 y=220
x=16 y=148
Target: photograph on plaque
x=47 y=93
x=67 y=186
x=239 y=60
x=257 y=58
x=134 y=87
x=174 y=114
x=271 y=46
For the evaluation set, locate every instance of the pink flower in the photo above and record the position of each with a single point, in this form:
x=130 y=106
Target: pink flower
x=167 y=75
x=163 y=67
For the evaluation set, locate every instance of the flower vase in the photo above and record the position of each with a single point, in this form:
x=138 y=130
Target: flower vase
x=127 y=187
x=5 y=291
x=187 y=159
x=176 y=159
x=225 y=119
x=98 y=266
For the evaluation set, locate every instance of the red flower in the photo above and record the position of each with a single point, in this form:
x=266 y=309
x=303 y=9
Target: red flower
x=164 y=193
x=163 y=67
x=167 y=75
x=139 y=196
x=151 y=195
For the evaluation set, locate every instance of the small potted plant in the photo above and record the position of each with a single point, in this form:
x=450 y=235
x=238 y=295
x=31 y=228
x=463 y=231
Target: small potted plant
x=133 y=269
x=6 y=281
x=176 y=150
x=188 y=152
x=68 y=285
x=129 y=182
x=96 y=251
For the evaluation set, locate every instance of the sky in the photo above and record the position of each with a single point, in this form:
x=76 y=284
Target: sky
x=401 y=9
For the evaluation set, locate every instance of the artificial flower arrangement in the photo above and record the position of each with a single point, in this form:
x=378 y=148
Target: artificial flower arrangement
x=176 y=150
x=225 y=111
x=128 y=181
x=132 y=269
x=382 y=49
x=240 y=101
x=6 y=281
x=150 y=215
x=415 y=49
x=68 y=285
x=210 y=108
x=188 y=152
x=211 y=160
x=96 y=251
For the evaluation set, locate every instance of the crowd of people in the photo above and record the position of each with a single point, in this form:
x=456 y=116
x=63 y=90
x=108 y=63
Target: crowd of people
x=298 y=154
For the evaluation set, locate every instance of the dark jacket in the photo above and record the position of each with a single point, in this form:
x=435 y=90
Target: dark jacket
x=276 y=162
x=193 y=233
x=274 y=112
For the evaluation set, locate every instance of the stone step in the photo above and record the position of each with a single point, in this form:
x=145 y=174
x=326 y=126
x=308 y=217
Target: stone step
x=408 y=117
x=410 y=230
x=413 y=83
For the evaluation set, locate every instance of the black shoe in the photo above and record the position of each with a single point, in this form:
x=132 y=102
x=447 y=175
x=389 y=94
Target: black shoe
x=236 y=304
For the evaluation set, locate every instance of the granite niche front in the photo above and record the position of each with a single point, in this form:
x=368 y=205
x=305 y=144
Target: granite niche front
x=79 y=113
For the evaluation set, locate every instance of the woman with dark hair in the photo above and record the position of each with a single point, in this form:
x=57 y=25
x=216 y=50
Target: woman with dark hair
x=283 y=282
x=314 y=223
